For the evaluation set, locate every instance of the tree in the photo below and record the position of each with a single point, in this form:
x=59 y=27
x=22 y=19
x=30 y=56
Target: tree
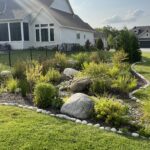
x=129 y=43
x=100 y=44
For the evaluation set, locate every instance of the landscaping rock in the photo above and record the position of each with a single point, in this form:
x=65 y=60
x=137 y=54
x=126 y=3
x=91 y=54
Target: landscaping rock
x=102 y=128
x=6 y=74
x=135 y=135
x=80 y=85
x=90 y=124
x=97 y=125
x=107 y=128
x=79 y=106
x=84 y=122
x=114 y=130
x=78 y=121
x=69 y=72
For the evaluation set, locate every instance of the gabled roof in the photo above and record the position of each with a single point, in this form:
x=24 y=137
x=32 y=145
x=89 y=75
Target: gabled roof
x=70 y=20
x=19 y=9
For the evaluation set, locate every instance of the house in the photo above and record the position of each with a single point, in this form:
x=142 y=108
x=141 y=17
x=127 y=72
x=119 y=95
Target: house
x=40 y=23
x=143 y=35
x=100 y=35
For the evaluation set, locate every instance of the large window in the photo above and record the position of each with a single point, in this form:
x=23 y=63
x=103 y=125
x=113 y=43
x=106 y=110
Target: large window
x=52 y=34
x=78 y=36
x=44 y=35
x=4 y=32
x=44 y=32
x=26 y=31
x=15 y=31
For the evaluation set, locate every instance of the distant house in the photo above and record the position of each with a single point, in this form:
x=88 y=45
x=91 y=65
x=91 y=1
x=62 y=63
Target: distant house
x=100 y=35
x=143 y=35
x=39 y=23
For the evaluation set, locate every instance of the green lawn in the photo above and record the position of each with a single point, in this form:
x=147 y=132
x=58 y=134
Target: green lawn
x=26 y=130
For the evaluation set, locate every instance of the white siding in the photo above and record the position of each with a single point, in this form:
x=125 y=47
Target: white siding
x=70 y=36
x=61 y=5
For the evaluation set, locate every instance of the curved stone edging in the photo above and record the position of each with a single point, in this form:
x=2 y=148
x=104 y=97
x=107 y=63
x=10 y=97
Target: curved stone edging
x=146 y=85
x=77 y=121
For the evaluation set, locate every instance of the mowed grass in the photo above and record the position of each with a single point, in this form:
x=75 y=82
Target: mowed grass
x=27 y=130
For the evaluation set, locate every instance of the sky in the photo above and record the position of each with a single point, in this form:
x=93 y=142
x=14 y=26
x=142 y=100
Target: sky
x=116 y=13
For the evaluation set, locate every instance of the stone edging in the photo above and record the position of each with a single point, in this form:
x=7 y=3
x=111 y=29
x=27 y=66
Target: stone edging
x=146 y=85
x=77 y=121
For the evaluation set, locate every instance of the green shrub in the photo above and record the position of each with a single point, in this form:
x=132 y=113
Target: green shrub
x=61 y=60
x=81 y=58
x=100 y=44
x=111 y=112
x=53 y=75
x=124 y=84
x=87 y=44
x=94 y=70
x=145 y=131
x=24 y=86
x=44 y=95
x=19 y=70
x=12 y=85
x=100 y=86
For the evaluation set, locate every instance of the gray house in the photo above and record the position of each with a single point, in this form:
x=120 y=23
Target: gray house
x=143 y=35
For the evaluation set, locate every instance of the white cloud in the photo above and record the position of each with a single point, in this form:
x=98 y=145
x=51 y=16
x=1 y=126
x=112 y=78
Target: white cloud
x=131 y=16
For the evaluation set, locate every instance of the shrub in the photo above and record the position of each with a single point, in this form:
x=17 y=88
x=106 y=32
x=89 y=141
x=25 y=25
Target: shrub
x=129 y=43
x=94 y=70
x=61 y=60
x=100 y=44
x=111 y=112
x=24 y=86
x=87 y=44
x=124 y=84
x=53 y=75
x=44 y=95
x=81 y=58
x=119 y=57
x=12 y=85
x=100 y=86
x=19 y=70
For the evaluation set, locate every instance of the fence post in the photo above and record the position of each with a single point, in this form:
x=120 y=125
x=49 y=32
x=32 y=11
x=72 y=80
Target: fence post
x=9 y=54
x=31 y=53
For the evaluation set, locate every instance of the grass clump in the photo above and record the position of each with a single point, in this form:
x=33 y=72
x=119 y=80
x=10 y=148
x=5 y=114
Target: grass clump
x=12 y=85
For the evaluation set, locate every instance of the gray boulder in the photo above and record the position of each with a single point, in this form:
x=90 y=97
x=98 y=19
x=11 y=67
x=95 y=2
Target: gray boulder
x=79 y=106
x=80 y=85
x=69 y=72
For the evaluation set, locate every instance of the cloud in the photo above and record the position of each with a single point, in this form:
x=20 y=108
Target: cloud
x=131 y=16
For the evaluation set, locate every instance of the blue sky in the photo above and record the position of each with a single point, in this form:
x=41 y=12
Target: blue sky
x=117 y=13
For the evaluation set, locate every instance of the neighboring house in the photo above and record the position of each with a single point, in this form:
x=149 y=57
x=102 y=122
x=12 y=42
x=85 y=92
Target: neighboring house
x=143 y=35
x=39 y=23
x=100 y=35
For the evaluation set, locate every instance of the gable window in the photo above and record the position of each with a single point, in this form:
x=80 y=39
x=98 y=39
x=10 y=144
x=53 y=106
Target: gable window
x=51 y=34
x=44 y=35
x=26 y=31
x=37 y=35
x=78 y=36
x=4 y=32
x=15 y=31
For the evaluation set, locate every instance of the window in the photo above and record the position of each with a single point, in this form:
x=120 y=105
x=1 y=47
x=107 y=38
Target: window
x=51 y=24
x=15 y=31
x=51 y=34
x=4 y=32
x=78 y=36
x=44 y=35
x=37 y=35
x=44 y=25
x=26 y=31
x=37 y=25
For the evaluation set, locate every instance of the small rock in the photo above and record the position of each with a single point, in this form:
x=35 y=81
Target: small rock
x=113 y=129
x=97 y=125
x=107 y=128
x=120 y=132
x=69 y=72
x=39 y=111
x=90 y=124
x=78 y=121
x=102 y=128
x=84 y=122
x=135 y=134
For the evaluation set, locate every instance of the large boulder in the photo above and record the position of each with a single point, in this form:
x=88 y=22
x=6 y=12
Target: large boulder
x=69 y=72
x=80 y=85
x=79 y=106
